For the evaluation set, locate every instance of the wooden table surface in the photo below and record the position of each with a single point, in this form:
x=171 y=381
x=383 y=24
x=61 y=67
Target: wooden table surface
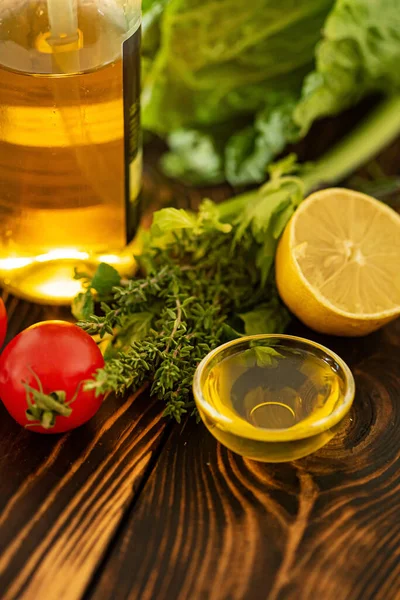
x=132 y=506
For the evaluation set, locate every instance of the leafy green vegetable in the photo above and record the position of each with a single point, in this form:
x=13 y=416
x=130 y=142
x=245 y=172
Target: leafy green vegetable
x=266 y=217
x=359 y=54
x=105 y=278
x=102 y=283
x=226 y=65
x=194 y=157
x=172 y=219
x=218 y=60
x=230 y=83
x=83 y=305
x=249 y=152
x=261 y=356
x=151 y=23
x=265 y=318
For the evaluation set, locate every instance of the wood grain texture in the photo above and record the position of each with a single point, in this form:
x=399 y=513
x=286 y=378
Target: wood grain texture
x=212 y=525
x=63 y=497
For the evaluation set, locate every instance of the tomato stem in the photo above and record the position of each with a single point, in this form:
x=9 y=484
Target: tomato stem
x=44 y=408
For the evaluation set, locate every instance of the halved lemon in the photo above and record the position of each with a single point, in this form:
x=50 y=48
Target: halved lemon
x=338 y=263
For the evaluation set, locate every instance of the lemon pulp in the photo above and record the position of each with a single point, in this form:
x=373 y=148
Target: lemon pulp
x=338 y=263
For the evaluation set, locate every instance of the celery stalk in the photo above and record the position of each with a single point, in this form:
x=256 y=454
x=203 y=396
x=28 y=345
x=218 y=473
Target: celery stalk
x=369 y=138
x=366 y=141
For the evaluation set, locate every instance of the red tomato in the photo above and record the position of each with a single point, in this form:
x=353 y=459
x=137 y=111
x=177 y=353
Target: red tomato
x=59 y=357
x=3 y=322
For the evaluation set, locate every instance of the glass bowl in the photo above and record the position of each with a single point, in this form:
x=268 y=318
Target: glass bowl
x=273 y=398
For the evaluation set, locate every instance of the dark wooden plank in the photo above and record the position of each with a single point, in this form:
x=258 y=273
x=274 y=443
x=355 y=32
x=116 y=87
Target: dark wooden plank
x=63 y=497
x=212 y=525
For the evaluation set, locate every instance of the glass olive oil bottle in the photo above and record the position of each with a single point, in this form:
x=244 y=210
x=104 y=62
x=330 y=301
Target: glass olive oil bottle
x=70 y=144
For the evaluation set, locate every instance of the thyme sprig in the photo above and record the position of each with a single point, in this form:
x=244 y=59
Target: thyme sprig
x=207 y=280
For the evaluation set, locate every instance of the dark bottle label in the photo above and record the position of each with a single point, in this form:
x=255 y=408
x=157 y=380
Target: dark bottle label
x=132 y=133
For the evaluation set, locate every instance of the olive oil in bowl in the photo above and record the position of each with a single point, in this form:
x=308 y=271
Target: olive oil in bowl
x=273 y=398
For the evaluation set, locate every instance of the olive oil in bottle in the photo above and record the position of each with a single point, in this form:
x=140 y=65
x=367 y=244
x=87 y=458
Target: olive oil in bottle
x=70 y=155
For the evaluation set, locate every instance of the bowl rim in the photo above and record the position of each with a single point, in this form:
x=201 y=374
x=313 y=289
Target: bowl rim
x=265 y=434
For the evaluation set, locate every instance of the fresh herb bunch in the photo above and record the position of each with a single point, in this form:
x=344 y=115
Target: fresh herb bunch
x=207 y=280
